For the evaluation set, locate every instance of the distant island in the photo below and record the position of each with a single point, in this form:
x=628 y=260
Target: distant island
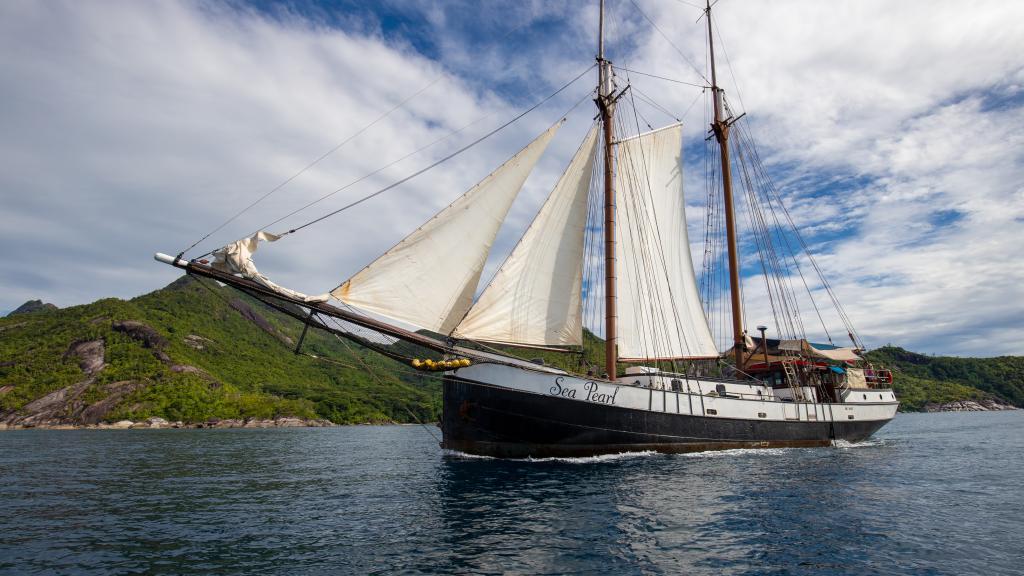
x=200 y=355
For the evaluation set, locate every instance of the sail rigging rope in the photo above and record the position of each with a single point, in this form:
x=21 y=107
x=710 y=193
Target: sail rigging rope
x=774 y=197
x=315 y=162
x=385 y=167
x=697 y=6
x=593 y=264
x=342 y=143
x=728 y=65
x=375 y=376
x=667 y=39
x=442 y=160
x=695 y=85
x=773 y=236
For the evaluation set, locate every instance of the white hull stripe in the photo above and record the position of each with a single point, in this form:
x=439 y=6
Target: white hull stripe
x=667 y=401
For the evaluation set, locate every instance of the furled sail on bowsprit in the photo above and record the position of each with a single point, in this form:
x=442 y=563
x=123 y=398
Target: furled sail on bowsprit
x=660 y=312
x=535 y=296
x=428 y=279
x=236 y=258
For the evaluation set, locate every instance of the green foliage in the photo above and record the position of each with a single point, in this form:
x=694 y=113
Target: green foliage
x=247 y=371
x=250 y=372
x=33 y=346
x=952 y=378
x=914 y=393
x=191 y=399
x=128 y=360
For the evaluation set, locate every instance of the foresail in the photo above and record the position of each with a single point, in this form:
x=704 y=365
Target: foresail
x=659 y=308
x=535 y=296
x=428 y=279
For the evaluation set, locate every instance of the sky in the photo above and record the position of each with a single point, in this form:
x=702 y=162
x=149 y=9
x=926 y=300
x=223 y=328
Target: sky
x=894 y=131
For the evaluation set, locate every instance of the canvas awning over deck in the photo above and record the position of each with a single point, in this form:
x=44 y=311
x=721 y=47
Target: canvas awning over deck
x=781 y=350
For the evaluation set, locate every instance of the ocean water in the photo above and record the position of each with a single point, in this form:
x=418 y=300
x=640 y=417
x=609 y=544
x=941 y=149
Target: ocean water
x=930 y=494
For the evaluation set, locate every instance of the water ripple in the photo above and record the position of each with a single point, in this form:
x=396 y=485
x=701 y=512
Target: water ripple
x=932 y=494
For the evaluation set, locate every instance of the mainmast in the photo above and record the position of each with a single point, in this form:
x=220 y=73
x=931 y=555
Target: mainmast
x=721 y=129
x=606 y=104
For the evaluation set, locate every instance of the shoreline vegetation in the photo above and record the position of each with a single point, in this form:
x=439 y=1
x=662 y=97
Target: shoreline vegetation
x=199 y=355
x=157 y=423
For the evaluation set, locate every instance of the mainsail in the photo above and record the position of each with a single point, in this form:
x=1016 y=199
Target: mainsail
x=428 y=279
x=659 y=307
x=535 y=296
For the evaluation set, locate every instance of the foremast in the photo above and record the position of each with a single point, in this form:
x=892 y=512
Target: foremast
x=720 y=127
x=606 y=105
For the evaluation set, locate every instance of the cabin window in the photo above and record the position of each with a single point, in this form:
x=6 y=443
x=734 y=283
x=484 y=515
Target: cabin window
x=850 y=417
x=762 y=415
x=865 y=396
x=677 y=385
x=711 y=411
x=880 y=397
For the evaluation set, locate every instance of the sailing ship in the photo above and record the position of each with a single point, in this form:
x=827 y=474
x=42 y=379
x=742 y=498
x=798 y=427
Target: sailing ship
x=662 y=384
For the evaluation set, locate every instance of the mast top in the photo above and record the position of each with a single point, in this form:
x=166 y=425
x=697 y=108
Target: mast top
x=716 y=91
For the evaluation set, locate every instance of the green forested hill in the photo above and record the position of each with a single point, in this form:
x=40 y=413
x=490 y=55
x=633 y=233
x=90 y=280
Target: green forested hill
x=211 y=353
x=921 y=379
x=195 y=352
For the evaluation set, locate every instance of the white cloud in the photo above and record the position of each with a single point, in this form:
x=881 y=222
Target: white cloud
x=134 y=128
x=891 y=104
x=131 y=128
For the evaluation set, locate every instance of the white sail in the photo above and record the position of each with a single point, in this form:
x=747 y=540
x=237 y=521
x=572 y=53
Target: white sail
x=236 y=258
x=428 y=279
x=535 y=296
x=659 y=308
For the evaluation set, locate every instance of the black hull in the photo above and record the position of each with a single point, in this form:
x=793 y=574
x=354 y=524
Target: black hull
x=494 y=421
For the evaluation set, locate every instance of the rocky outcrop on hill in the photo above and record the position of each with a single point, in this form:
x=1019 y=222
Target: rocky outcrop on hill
x=87 y=403
x=113 y=394
x=988 y=404
x=197 y=342
x=53 y=407
x=152 y=339
x=33 y=306
x=81 y=403
x=90 y=355
x=149 y=337
x=186 y=369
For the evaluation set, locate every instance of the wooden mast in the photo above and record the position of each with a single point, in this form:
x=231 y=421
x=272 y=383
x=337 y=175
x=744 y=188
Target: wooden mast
x=605 y=103
x=721 y=129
